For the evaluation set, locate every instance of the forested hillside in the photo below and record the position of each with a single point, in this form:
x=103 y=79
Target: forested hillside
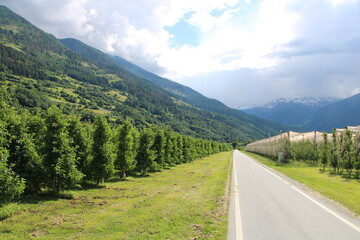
x=40 y=71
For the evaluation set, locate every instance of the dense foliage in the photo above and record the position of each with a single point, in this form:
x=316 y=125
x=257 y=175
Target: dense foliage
x=55 y=150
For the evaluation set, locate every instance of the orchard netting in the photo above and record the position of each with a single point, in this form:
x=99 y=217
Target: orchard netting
x=281 y=144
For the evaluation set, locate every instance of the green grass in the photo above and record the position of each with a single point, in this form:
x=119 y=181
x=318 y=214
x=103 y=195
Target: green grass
x=121 y=98
x=343 y=190
x=184 y=202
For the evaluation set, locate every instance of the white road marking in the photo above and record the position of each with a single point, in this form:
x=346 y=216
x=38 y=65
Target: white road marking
x=328 y=210
x=238 y=225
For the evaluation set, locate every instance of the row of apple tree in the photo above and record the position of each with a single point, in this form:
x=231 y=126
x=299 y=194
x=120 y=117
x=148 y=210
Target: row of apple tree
x=340 y=151
x=53 y=150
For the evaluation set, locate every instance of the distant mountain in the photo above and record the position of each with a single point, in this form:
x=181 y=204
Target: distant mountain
x=336 y=115
x=293 y=112
x=38 y=69
x=321 y=114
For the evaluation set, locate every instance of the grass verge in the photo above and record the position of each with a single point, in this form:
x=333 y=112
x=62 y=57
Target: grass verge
x=184 y=202
x=343 y=190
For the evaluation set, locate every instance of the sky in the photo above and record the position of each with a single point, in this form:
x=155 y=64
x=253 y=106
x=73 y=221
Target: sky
x=241 y=52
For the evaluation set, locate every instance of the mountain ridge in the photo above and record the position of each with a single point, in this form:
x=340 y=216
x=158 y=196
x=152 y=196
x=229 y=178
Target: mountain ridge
x=312 y=114
x=336 y=115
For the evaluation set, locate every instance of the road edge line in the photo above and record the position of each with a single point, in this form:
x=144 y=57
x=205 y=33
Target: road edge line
x=350 y=224
x=238 y=224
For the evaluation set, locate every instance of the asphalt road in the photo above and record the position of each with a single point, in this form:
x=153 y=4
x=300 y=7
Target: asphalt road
x=266 y=206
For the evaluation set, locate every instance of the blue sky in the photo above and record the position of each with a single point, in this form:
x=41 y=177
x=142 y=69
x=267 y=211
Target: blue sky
x=184 y=33
x=242 y=52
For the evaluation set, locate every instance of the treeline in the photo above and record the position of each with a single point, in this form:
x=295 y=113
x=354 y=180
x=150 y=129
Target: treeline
x=340 y=151
x=53 y=150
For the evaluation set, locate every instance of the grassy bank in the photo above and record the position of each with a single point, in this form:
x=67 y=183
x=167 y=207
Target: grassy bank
x=343 y=190
x=184 y=202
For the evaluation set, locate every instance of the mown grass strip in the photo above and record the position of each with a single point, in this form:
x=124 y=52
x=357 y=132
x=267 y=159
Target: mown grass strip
x=184 y=202
x=343 y=190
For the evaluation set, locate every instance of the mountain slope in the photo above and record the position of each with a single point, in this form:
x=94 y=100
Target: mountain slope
x=35 y=65
x=337 y=115
x=293 y=112
x=194 y=98
x=178 y=91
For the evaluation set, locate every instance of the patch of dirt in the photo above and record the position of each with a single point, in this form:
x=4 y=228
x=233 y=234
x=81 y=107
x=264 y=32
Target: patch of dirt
x=197 y=228
x=117 y=205
x=102 y=203
x=38 y=233
x=117 y=188
x=57 y=221
x=32 y=211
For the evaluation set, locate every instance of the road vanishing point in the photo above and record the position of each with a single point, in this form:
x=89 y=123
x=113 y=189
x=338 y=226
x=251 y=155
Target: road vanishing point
x=265 y=206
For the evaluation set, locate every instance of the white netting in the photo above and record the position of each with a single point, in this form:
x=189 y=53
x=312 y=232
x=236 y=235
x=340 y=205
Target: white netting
x=273 y=145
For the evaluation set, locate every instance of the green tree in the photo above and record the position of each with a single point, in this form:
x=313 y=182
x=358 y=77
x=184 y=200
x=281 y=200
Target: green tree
x=102 y=164
x=349 y=155
x=81 y=142
x=287 y=149
x=159 y=147
x=304 y=151
x=188 y=149
x=60 y=158
x=342 y=150
x=334 y=153
x=11 y=186
x=235 y=144
x=179 y=152
x=168 y=148
x=19 y=151
x=357 y=153
x=174 y=149
x=126 y=149
x=146 y=154
x=325 y=151
x=24 y=156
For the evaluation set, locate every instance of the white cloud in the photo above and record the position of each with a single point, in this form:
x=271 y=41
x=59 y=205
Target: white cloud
x=338 y=2
x=135 y=30
x=299 y=46
x=253 y=44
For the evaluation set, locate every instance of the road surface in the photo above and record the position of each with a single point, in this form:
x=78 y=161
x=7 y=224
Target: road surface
x=265 y=206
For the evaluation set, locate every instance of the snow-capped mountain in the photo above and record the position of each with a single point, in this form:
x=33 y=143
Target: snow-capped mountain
x=293 y=112
x=306 y=101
